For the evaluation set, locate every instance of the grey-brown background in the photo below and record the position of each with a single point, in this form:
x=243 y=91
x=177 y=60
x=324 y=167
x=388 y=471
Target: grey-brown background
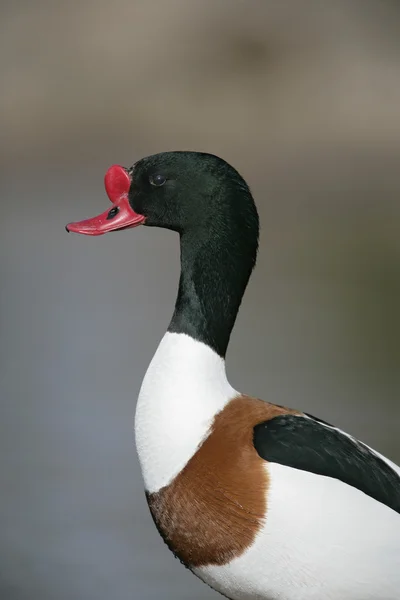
x=303 y=97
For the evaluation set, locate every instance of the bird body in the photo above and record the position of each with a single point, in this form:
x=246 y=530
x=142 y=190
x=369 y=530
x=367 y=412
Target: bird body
x=265 y=530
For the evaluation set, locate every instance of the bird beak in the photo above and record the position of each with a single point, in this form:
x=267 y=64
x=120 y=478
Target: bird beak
x=117 y=182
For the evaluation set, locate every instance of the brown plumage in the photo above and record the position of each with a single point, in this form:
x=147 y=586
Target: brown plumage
x=211 y=512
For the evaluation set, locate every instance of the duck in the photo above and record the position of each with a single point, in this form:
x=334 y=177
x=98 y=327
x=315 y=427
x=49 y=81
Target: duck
x=259 y=501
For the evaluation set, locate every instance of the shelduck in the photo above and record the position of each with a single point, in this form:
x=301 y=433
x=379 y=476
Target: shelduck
x=260 y=501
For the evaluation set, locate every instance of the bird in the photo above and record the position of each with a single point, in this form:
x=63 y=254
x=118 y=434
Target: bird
x=259 y=501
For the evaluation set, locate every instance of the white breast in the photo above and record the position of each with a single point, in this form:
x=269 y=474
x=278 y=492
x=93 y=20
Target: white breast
x=184 y=388
x=322 y=540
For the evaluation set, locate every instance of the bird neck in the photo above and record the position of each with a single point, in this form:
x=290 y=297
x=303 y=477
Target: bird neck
x=216 y=264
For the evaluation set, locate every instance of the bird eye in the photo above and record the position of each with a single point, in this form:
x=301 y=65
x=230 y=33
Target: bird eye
x=157 y=180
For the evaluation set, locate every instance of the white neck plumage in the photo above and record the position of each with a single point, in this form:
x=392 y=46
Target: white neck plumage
x=184 y=387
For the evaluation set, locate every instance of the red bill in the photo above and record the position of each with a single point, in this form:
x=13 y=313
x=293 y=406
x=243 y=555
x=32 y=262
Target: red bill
x=117 y=182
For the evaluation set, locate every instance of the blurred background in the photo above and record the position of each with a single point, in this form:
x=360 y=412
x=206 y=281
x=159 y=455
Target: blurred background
x=303 y=97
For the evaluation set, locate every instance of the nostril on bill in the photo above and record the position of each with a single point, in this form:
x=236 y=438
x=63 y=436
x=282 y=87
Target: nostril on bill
x=113 y=213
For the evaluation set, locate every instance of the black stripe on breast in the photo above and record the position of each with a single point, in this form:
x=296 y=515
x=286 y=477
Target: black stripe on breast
x=306 y=444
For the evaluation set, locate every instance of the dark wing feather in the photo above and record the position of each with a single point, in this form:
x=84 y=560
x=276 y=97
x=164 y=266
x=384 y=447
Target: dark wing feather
x=310 y=445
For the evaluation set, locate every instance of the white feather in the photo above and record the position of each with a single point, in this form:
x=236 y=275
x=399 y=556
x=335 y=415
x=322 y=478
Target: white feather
x=184 y=388
x=322 y=540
